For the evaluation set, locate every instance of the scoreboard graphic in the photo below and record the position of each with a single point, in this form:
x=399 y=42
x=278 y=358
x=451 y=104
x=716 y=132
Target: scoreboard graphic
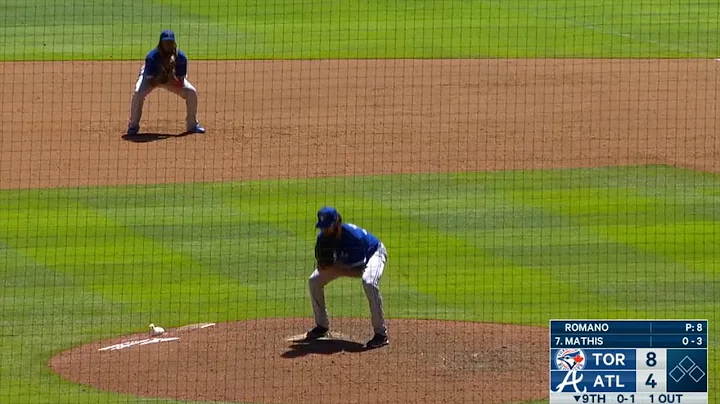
x=628 y=361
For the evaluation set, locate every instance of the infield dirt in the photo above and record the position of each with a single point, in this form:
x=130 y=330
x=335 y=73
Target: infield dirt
x=62 y=122
x=253 y=361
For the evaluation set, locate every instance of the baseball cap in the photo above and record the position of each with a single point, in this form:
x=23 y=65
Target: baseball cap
x=326 y=217
x=167 y=35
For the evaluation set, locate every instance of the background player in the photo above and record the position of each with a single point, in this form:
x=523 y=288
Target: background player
x=344 y=249
x=166 y=67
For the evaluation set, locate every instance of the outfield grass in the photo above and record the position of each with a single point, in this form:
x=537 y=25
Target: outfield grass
x=301 y=29
x=82 y=264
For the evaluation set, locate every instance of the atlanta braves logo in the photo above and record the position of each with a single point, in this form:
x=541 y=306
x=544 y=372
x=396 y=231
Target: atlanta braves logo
x=574 y=382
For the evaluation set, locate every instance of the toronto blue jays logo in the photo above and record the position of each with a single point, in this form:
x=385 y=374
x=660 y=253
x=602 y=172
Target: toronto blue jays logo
x=570 y=359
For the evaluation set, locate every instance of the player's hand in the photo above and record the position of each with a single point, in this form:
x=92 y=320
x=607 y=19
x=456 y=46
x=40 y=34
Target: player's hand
x=171 y=63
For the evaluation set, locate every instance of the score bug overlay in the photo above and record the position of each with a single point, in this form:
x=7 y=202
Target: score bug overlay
x=628 y=361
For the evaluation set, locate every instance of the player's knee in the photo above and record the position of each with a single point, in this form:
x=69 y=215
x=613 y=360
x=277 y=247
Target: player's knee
x=314 y=280
x=369 y=282
x=190 y=90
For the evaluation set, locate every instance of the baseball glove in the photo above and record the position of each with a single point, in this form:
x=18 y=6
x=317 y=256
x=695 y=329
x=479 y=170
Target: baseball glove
x=325 y=254
x=169 y=65
x=167 y=72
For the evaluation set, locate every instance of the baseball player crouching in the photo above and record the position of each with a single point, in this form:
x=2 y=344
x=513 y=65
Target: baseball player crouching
x=344 y=249
x=165 y=66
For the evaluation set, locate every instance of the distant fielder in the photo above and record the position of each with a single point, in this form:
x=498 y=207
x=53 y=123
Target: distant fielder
x=166 y=67
x=344 y=249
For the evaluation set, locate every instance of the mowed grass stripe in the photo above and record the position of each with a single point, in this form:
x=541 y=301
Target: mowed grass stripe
x=291 y=29
x=110 y=260
x=638 y=28
x=43 y=311
x=510 y=247
x=102 y=30
x=470 y=270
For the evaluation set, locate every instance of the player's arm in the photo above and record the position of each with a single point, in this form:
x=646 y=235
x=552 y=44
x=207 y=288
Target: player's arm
x=325 y=255
x=355 y=261
x=152 y=71
x=181 y=66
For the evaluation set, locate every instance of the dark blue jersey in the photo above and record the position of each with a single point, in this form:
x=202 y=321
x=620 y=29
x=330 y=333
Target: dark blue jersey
x=356 y=245
x=154 y=63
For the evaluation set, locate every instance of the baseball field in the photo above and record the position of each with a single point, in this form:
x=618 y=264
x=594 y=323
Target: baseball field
x=522 y=160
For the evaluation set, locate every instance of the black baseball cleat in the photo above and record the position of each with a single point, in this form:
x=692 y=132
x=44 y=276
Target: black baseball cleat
x=377 y=341
x=317 y=332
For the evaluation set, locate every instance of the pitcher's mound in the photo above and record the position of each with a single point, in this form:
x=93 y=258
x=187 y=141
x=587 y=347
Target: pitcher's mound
x=268 y=361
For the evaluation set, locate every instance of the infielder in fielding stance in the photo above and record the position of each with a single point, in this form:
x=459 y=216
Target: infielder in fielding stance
x=344 y=249
x=166 y=67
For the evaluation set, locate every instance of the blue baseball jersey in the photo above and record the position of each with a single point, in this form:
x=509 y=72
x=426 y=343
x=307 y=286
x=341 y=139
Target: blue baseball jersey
x=357 y=245
x=153 y=63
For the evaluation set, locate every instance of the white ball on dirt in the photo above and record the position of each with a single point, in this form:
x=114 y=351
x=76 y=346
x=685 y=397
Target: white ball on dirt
x=155 y=330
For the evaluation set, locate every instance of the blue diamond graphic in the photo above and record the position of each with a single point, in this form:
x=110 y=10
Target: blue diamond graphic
x=697 y=374
x=686 y=364
x=677 y=374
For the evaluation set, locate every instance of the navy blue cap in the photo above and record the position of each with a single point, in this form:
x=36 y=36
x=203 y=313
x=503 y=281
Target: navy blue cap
x=167 y=35
x=327 y=216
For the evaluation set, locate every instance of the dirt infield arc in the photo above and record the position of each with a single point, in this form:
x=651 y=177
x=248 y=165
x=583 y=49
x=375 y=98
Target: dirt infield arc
x=62 y=122
x=255 y=361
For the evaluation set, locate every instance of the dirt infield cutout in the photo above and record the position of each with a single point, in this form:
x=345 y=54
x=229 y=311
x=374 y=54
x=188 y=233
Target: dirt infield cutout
x=263 y=361
x=267 y=119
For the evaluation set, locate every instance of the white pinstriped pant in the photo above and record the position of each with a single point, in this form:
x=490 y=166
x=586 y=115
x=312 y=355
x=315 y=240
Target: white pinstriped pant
x=371 y=284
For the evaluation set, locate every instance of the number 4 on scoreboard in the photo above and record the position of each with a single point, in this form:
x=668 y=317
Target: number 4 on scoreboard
x=651 y=381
